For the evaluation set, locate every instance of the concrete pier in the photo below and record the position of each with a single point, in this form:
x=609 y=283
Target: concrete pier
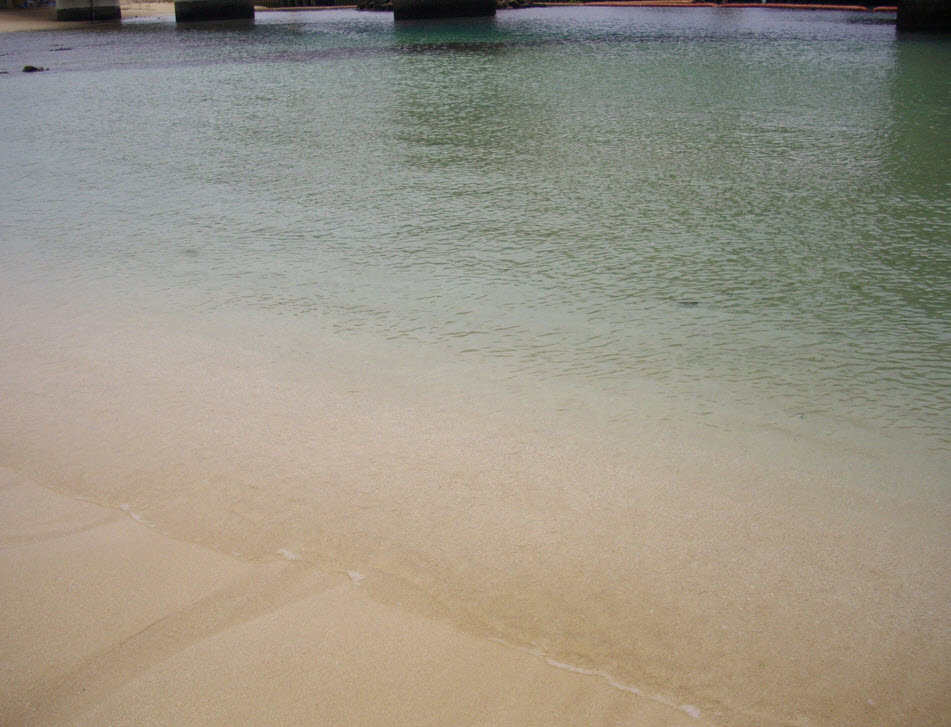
x=187 y=11
x=419 y=9
x=925 y=16
x=88 y=10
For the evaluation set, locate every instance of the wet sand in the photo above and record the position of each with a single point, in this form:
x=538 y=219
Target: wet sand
x=340 y=550
x=19 y=19
x=107 y=621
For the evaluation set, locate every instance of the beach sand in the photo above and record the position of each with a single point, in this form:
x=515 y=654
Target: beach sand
x=18 y=19
x=107 y=621
x=513 y=575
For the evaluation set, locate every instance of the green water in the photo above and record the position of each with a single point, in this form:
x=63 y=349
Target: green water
x=746 y=210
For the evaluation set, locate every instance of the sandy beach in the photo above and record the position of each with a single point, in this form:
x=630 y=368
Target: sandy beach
x=280 y=548
x=109 y=622
x=18 y=19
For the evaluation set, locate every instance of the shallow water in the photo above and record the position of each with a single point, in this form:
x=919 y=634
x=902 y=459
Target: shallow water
x=500 y=310
x=751 y=202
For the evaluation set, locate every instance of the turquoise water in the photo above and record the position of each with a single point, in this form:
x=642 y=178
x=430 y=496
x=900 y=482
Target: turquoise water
x=744 y=209
x=620 y=336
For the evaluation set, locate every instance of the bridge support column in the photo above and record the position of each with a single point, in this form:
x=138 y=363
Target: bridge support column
x=187 y=11
x=418 y=9
x=926 y=16
x=88 y=10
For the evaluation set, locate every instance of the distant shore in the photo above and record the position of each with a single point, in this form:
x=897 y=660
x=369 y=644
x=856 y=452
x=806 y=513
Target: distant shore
x=774 y=6
x=17 y=19
x=20 y=19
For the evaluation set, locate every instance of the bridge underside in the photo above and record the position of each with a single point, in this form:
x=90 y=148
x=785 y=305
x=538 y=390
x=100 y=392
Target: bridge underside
x=187 y=11
x=88 y=10
x=418 y=9
x=926 y=16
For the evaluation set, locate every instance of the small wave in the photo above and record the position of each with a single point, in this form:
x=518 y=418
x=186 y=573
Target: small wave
x=688 y=709
x=125 y=507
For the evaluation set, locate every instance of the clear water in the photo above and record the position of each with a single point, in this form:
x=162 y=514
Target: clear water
x=619 y=221
x=747 y=209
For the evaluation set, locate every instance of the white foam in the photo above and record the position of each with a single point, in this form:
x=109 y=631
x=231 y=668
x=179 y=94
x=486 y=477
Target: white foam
x=688 y=709
x=125 y=507
x=355 y=576
x=287 y=554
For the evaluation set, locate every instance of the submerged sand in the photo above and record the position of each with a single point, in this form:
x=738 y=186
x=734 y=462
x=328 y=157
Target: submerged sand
x=107 y=621
x=293 y=534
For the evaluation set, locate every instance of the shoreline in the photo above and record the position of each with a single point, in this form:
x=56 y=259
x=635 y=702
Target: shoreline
x=711 y=568
x=27 y=19
x=106 y=617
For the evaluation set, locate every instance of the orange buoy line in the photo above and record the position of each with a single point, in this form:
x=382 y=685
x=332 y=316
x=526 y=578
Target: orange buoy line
x=796 y=6
x=772 y=5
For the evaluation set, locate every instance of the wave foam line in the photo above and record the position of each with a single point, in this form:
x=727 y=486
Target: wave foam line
x=125 y=507
x=688 y=709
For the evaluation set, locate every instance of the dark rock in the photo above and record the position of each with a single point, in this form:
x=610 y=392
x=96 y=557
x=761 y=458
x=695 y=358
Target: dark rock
x=33 y=69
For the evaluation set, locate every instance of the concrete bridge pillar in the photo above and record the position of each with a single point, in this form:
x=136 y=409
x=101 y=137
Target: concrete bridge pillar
x=419 y=9
x=88 y=10
x=187 y=11
x=927 y=16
